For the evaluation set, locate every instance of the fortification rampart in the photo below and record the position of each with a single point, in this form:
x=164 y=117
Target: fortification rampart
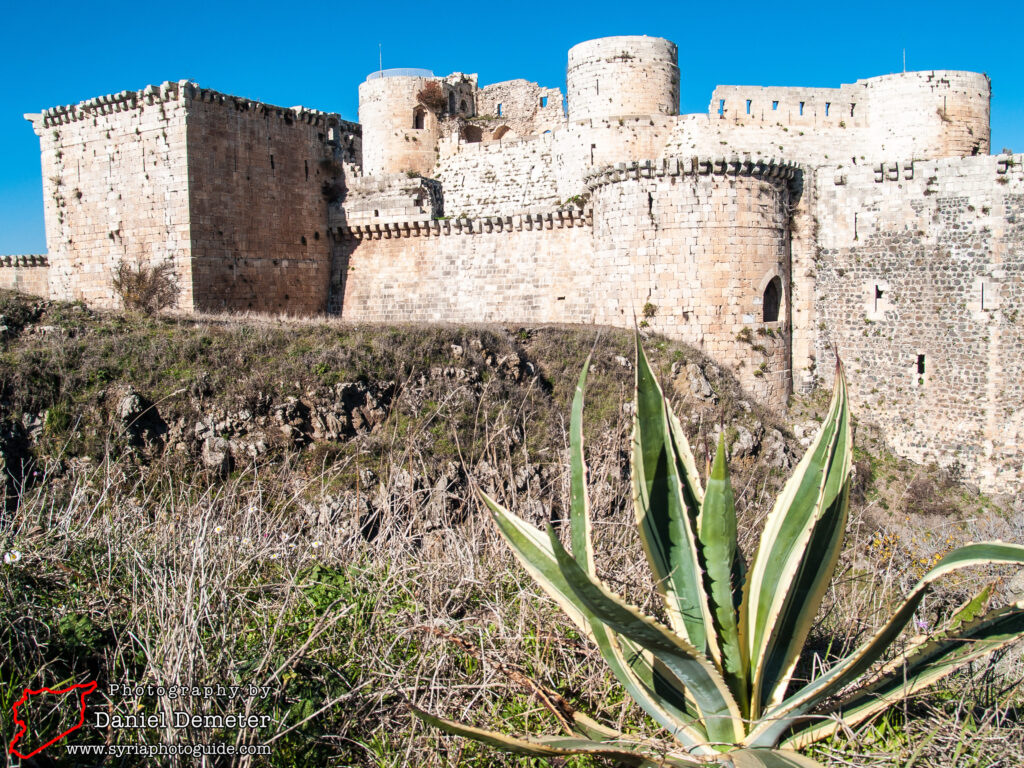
x=920 y=284
x=27 y=273
x=702 y=241
x=229 y=190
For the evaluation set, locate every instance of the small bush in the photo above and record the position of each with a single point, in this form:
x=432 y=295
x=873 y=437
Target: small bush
x=432 y=96
x=146 y=289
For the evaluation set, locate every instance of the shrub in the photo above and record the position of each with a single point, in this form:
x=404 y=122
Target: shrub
x=432 y=96
x=718 y=673
x=146 y=289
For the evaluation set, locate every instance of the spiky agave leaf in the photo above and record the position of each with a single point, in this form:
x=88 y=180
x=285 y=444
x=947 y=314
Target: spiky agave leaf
x=718 y=708
x=797 y=555
x=923 y=667
x=633 y=667
x=720 y=551
x=779 y=719
x=667 y=497
x=626 y=752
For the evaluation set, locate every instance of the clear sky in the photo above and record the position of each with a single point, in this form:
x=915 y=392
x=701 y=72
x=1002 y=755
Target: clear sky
x=315 y=54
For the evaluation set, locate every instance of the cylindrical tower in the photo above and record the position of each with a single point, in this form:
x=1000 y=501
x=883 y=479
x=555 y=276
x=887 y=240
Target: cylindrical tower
x=700 y=248
x=929 y=114
x=400 y=126
x=628 y=75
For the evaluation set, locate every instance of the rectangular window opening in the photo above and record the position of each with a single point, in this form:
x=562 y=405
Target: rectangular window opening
x=878 y=294
x=543 y=101
x=920 y=365
x=828 y=106
x=499 y=110
x=748 y=106
x=801 y=107
x=851 y=109
x=271 y=162
x=721 y=106
x=775 y=105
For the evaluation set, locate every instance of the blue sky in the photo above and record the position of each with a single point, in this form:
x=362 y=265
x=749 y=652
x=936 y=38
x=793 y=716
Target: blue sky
x=315 y=54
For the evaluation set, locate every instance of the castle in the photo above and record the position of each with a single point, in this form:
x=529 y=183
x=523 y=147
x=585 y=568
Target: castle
x=776 y=227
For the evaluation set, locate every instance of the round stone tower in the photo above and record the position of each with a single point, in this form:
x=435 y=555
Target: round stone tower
x=628 y=75
x=929 y=114
x=701 y=247
x=400 y=132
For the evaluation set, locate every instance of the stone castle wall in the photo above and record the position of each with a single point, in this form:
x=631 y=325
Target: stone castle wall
x=229 y=191
x=28 y=274
x=115 y=188
x=257 y=207
x=920 y=284
x=696 y=240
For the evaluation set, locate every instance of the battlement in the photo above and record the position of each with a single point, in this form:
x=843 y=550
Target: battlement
x=182 y=90
x=693 y=166
x=561 y=218
x=24 y=260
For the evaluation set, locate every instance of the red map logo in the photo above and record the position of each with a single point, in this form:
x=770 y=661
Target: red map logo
x=84 y=690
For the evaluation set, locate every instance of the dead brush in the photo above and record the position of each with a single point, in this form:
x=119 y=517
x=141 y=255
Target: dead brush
x=145 y=288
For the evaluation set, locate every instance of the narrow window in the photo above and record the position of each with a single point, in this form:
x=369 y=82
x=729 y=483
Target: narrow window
x=650 y=204
x=592 y=148
x=801 y=107
x=271 y=162
x=597 y=87
x=462 y=105
x=828 y=105
x=721 y=106
x=419 y=118
x=748 y=106
x=451 y=101
x=920 y=365
x=771 y=300
x=851 y=109
x=376 y=212
x=878 y=294
x=983 y=296
x=499 y=110
x=306 y=163
x=543 y=101
x=775 y=105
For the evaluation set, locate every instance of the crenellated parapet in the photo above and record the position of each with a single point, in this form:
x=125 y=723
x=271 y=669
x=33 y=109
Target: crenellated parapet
x=692 y=166
x=562 y=218
x=182 y=91
x=24 y=260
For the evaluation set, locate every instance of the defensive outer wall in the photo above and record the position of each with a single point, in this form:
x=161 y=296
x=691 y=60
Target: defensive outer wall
x=780 y=225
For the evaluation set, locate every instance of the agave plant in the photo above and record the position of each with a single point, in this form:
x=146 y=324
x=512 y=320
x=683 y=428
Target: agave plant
x=718 y=674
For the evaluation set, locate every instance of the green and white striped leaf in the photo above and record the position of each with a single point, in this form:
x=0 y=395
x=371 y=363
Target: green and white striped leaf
x=652 y=686
x=797 y=555
x=717 y=533
x=625 y=752
x=778 y=720
x=917 y=670
x=720 y=713
x=667 y=502
x=662 y=701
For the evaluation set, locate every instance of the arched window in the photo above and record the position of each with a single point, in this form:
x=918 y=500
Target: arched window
x=772 y=300
x=419 y=117
x=462 y=105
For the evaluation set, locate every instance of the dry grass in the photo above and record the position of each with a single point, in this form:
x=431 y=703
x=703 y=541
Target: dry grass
x=153 y=571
